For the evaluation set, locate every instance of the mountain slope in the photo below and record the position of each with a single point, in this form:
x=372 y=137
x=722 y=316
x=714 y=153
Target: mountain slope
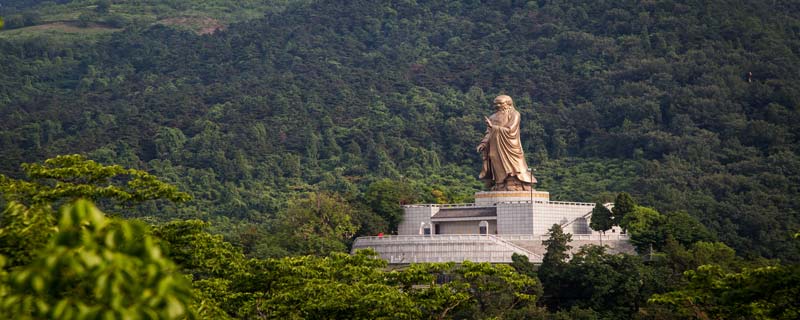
x=333 y=96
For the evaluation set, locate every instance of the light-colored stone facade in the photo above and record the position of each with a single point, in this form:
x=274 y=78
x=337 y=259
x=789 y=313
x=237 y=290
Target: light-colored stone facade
x=415 y=217
x=443 y=248
x=498 y=224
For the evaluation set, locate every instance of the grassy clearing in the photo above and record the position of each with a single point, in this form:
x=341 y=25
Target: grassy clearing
x=58 y=29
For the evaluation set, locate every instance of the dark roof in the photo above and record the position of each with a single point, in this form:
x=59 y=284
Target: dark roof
x=465 y=212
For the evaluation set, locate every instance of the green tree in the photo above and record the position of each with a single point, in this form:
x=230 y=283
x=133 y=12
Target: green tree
x=339 y=286
x=761 y=293
x=94 y=267
x=521 y=263
x=359 y=286
x=610 y=284
x=24 y=231
x=601 y=218
x=495 y=290
x=685 y=229
x=86 y=18
x=386 y=197
x=29 y=221
x=645 y=226
x=316 y=224
x=557 y=247
x=70 y=177
x=623 y=205
x=665 y=270
x=198 y=252
x=718 y=253
x=169 y=143
x=213 y=264
x=103 y=6
x=649 y=229
x=553 y=264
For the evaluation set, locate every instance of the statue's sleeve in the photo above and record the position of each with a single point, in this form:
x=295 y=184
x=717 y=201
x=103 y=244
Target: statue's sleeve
x=486 y=136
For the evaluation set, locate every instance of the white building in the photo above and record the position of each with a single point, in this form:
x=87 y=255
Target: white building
x=497 y=225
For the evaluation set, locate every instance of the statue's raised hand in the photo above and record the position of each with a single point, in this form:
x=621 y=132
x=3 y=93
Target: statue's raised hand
x=488 y=122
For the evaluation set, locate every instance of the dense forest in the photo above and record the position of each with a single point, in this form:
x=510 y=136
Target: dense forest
x=299 y=125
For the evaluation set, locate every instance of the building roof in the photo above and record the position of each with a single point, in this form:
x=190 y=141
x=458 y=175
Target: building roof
x=478 y=212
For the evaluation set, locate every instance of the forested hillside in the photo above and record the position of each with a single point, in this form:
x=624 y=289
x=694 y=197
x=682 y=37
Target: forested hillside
x=649 y=97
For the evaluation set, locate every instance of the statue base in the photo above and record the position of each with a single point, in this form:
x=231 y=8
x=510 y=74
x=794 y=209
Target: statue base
x=512 y=183
x=488 y=198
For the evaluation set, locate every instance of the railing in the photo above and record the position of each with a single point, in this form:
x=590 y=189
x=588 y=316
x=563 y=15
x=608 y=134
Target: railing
x=435 y=205
x=446 y=205
x=569 y=203
x=575 y=237
x=426 y=238
x=503 y=238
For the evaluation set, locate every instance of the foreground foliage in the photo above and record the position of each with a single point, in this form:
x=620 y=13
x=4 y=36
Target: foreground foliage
x=29 y=221
x=95 y=267
x=79 y=263
x=760 y=293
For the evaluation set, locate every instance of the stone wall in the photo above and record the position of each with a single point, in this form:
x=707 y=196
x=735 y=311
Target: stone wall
x=514 y=218
x=545 y=214
x=414 y=217
x=517 y=225
x=443 y=248
x=465 y=227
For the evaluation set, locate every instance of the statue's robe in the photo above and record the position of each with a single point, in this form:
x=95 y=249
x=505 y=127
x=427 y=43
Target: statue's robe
x=503 y=156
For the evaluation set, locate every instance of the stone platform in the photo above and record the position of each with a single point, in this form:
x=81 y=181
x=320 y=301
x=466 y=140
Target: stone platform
x=496 y=225
x=444 y=248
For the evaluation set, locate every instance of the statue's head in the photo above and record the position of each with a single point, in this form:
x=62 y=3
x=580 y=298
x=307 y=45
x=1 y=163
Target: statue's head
x=503 y=102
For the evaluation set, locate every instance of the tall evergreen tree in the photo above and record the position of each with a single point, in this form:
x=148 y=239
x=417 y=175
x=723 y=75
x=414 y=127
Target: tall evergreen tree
x=553 y=263
x=601 y=218
x=623 y=205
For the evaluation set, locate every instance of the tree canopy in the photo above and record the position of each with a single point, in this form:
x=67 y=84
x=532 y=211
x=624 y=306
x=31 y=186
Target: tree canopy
x=687 y=106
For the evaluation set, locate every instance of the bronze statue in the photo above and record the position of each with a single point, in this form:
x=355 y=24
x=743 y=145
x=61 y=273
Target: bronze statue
x=504 y=166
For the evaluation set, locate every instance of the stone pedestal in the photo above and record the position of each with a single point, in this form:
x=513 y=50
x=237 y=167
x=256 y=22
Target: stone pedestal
x=497 y=225
x=489 y=198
